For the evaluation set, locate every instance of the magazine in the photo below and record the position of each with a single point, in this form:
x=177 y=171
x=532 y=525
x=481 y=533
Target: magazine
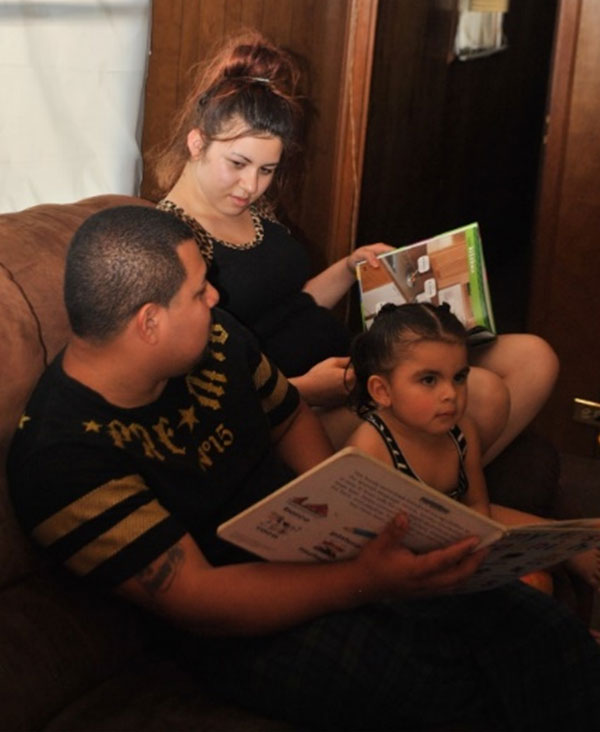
x=447 y=268
x=329 y=512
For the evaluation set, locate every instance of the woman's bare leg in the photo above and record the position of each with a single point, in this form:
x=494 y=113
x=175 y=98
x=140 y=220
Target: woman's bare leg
x=488 y=405
x=528 y=367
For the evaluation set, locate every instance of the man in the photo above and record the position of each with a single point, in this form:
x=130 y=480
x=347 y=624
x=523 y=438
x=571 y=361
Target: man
x=161 y=419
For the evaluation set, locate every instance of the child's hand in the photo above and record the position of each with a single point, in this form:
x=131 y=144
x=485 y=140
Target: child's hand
x=391 y=570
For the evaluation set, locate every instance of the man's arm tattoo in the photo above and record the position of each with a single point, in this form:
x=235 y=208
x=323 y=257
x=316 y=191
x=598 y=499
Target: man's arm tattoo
x=159 y=579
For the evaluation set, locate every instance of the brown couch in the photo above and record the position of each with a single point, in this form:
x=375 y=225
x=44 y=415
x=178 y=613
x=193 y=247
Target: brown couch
x=71 y=661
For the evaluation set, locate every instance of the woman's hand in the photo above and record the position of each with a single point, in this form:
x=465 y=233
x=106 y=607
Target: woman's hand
x=327 y=383
x=367 y=253
x=328 y=287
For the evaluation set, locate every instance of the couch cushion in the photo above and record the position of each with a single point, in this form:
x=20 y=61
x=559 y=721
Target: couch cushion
x=33 y=244
x=21 y=363
x=57 y=643
x=22 y=354
x=156 y=695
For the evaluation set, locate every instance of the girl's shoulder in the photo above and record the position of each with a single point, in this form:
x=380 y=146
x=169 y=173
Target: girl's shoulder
x=366 y=438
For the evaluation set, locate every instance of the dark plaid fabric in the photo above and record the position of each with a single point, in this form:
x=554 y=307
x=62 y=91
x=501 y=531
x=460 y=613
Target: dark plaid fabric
x=507 y=659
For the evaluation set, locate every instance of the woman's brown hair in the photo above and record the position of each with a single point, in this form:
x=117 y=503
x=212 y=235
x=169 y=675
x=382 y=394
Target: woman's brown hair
x=251 y=79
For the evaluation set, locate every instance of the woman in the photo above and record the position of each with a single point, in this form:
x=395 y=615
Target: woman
x=233 y=144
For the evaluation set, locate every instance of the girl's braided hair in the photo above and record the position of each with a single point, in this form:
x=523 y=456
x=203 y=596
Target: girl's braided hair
x=394 y=330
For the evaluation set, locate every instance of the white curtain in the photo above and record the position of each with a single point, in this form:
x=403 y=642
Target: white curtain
x=72 y=76
x=480 y=28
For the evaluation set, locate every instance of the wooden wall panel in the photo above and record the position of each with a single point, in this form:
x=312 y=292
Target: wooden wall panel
x=566 y=303
x=185 y=31
x=451 y=143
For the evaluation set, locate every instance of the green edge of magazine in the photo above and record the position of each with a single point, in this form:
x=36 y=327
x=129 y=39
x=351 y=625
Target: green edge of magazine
x=478 y=284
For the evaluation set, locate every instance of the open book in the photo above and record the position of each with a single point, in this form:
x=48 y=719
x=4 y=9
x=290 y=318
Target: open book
x=329 y=512
x=448 y=268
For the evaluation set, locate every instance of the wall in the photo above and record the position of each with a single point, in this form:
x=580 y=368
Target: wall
x=451 y=143
x=566 y=293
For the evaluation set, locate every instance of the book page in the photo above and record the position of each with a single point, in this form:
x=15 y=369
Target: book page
x=530 y=548
x=330 y=512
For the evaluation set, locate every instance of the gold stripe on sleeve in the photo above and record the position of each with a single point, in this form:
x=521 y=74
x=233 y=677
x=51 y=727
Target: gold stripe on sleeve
x=263 y=372
x=275 y=397
x=88 y=507
x=112 y=541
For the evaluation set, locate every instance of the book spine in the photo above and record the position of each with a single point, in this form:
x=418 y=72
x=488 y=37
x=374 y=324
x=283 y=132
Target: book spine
x=478 y=287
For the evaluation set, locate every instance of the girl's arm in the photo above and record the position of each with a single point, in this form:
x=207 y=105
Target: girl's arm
x=328 y=287
x=477 y=495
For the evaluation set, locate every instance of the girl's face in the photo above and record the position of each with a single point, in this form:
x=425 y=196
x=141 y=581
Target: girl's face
x=427 y=390
x=233 y=173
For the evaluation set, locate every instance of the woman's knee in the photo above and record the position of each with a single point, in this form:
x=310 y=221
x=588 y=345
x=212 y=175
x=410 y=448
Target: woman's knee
x=521 y=355
x=541 y=358
x=488 y=404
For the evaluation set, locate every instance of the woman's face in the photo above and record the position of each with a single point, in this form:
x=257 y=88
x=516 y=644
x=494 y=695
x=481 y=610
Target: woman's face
x=232 y=173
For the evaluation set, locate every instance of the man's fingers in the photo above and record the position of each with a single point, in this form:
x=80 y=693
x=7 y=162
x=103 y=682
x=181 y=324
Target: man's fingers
x=446 y=569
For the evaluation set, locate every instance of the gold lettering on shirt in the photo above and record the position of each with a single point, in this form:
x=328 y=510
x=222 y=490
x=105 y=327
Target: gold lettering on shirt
x=214 y=375
x=121 y=433
x=204 y=391
x=23 y=420
x=215 y=443
x=165 y=433
x=217 y=355
x=218 y=334
x=208 y=386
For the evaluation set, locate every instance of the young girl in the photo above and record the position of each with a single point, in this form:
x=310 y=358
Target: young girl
x=410 y=388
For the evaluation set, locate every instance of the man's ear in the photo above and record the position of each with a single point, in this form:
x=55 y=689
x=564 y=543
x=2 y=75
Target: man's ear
x=147 y=322
x=195 y=143
x=379 y=390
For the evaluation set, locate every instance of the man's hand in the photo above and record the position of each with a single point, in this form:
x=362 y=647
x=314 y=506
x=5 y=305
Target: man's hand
x=393 y=571
x=327 y=383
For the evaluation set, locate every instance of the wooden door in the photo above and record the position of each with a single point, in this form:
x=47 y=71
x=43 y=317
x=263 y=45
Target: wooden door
x=452 y=143
x=565 y=300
